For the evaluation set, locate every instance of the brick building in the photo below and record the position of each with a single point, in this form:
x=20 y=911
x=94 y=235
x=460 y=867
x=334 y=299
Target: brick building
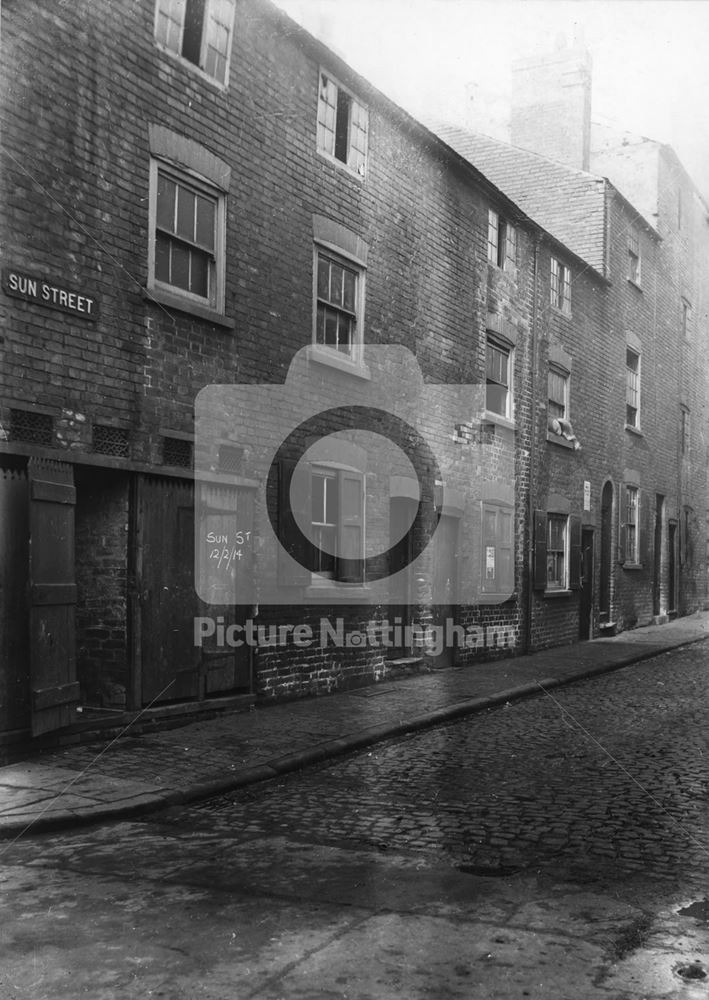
x=635 y=380
x=201 y=196
x=208 y=194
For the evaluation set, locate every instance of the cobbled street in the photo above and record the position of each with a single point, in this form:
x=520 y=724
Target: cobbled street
x=555 y=848
x=606 y=778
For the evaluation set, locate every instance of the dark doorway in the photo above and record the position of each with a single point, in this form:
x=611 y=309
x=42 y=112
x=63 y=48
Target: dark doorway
x=604 y=596
x=657 y=558
x=445 y=582
x=586 y=595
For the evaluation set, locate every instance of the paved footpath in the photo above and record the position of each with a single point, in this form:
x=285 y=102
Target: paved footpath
x=137 y=773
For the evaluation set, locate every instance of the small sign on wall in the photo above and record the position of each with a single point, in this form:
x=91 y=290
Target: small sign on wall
x=586 y=495
x=50 y=294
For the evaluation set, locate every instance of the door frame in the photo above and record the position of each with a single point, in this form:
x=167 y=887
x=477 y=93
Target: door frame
x=586 y=592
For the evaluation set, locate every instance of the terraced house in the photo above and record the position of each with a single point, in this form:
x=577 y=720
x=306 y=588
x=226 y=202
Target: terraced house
x=634 y=383
x=289 y=386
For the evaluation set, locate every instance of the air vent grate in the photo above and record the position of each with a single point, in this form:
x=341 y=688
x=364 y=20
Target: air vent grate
x=176 y=451
x=111 y=441
x=34 y=428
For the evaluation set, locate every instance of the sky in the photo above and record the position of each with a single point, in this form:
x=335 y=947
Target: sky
x=650 y=57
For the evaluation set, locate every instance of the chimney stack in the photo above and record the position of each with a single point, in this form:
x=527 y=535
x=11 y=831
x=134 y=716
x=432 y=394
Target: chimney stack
x=551 y=104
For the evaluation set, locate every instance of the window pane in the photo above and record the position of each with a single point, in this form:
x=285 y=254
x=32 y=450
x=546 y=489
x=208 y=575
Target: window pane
x=168 y=28
x=320 y=325
x=326 y=115
x=185 y=213
x=358 y=136
x=162 y=258
x=556 y=532
x=511 y=246
x=490 y=525
x=330 y=328
x=199 y=275
x=351 y=497
x=323 y=278
x=318 y=498
x=349 y=291
x=496 y=399
x=165 y=217
x=192 y=37
x=344 y=335
x=336 y=276
x=496 y=364
x=342 y=126
x=206 y=217
x=180 y=275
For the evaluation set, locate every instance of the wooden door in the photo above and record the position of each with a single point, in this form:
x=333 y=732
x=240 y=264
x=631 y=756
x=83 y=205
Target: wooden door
x=169 y=660
x=14 y=618
x=53 y=684
x=172 y=667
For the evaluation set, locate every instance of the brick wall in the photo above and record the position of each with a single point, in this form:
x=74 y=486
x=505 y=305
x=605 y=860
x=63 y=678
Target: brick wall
x=101 y=578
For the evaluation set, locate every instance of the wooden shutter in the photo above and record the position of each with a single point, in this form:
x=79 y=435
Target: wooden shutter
x=350 y=527
x=292 y=502
x=622 y=531
x=55 y=690
x=540 y=550
x=574 y=553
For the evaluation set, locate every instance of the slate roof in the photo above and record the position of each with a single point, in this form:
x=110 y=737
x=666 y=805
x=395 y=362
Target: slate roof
x=568 y=203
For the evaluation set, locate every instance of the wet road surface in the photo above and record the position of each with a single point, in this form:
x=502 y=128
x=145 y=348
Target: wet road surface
x=541 y=850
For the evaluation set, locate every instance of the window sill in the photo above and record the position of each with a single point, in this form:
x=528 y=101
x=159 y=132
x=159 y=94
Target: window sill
x=344 y=594
x=192 y=68
x=177 y=303
x=334 y=359
x=634 y=430
x=341 y=165
x=566 y=313
x=490 y=417
x=561 y=442
x=558 y=593
x=635 y=285
x=509 y=269
x=631 y=565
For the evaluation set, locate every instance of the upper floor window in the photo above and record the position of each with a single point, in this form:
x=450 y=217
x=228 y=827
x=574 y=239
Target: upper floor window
x=558 y=407
x=632 y=388
x=198 y=31
x=634 y=257
x=501 y=241
x=187 y=249
x=630 y=534
x=340 y=285
x=343 y=124
x=560 y=285
x=498 y=378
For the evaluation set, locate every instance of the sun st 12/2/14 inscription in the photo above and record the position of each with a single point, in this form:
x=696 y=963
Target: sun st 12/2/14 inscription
x=225 y=550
